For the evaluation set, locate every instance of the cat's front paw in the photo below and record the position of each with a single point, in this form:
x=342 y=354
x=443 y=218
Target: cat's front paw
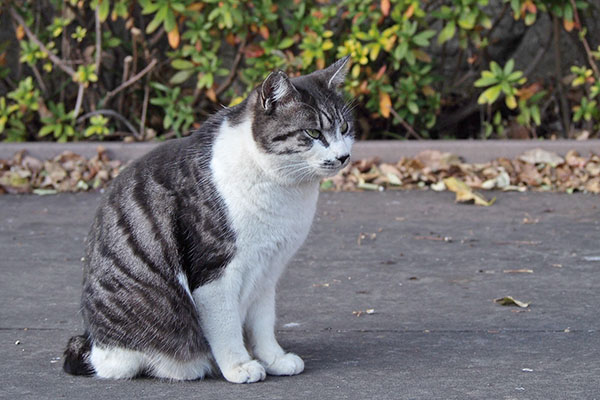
x=287 y=364
x=248 y=372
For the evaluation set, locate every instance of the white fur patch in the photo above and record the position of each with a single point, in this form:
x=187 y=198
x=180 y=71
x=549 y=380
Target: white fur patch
x=271 y=220
x=119 y=363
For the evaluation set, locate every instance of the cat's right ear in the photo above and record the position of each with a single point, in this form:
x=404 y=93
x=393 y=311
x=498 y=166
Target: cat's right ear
x=276 y=89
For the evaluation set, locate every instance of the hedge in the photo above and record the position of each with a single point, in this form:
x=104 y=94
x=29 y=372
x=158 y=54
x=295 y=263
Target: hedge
x=138 y=70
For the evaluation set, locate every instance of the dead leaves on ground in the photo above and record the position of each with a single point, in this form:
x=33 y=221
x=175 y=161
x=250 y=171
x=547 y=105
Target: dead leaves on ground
x=67 y=172
x=535 y=169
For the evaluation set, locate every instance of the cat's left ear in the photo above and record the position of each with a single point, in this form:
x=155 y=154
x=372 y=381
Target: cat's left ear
x=335 y=74
x=276 y=89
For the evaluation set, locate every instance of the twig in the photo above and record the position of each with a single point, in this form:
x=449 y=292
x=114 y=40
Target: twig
x=586 y=45
x=236 y=62
x=406 y=125
x=38 y=78
x=144 y=109
x=130 y=81
x=57 y=61
x=497 y=21
x=110 y=113
x=98 y=41
x=126 y=67
x=539 y=55
x=79 y=100
x=564 y=105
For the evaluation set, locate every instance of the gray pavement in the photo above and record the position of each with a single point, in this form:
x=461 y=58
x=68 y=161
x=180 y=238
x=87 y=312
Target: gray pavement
x=435 y=332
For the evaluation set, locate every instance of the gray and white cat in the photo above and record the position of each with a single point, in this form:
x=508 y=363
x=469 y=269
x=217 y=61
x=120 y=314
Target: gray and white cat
x=188 y=244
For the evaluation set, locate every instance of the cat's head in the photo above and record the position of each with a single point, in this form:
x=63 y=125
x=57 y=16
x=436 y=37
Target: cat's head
x=302 y=126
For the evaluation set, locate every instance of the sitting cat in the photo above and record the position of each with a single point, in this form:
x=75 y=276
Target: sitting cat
x=188 y=243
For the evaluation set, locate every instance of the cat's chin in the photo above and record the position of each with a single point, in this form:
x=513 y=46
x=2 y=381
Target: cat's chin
x=325 y=172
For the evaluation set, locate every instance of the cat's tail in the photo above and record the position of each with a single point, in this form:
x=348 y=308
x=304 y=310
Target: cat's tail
x=77 y=356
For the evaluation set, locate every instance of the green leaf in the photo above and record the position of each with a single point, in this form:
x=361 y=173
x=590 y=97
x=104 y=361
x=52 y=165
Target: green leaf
x=490 y=95
x=486 y=80
x=46 y=129
x=495 y=68
x=182 y=64
x=447 y=33
x=511 y=102
x=515 y=76
x=181 y=76
x=422 y=38
x=170 y=20
x=413 y=107
x=103 y=10
x=509 y=66
x=467 y=19
x=159 y=17
x=285 y=43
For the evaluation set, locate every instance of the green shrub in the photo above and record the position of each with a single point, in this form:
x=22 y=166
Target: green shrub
x=161 y=66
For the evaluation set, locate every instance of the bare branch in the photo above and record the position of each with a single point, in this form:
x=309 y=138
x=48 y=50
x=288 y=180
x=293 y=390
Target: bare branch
x=144 y=110
x=57 y=61
x=98 y=41
x=586 y=45
x=564 y=104
x=234 y=67
x=79 y=100
x=130 y=81
x=406 y=125
x=110 y=113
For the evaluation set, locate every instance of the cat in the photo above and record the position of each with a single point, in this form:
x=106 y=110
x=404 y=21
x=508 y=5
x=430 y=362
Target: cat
x=189 y=241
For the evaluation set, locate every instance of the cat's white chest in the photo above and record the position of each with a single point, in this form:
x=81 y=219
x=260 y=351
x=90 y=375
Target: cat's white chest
x=270 y=220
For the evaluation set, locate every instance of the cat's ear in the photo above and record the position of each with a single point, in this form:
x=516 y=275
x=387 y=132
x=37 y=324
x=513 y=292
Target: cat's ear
x=276 y=89
x=335 y=74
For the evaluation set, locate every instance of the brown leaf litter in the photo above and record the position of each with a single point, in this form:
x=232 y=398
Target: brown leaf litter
x=536 y=169
x=67 y=172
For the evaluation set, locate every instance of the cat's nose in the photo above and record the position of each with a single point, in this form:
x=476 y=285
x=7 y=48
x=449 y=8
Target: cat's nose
x=343 y=158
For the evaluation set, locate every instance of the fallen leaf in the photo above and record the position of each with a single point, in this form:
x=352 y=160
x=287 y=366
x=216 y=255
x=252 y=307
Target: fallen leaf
x=537 y=156
x=510 y=301
x=464 y=192
x=436 y=160
x=518 y=271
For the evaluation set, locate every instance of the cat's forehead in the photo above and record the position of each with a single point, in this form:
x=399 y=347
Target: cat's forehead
x=318 y=102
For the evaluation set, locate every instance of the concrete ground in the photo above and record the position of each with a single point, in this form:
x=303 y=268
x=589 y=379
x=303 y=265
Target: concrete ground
x=427 y=267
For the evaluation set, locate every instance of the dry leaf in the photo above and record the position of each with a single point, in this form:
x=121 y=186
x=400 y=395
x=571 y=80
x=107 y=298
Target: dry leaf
x=464 y=192
x=510 y=301
x=174 y=37
x=385 y=104
x=537 y=156
x=385 y=7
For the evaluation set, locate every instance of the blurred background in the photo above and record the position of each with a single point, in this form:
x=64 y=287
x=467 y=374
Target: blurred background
x=73 y=70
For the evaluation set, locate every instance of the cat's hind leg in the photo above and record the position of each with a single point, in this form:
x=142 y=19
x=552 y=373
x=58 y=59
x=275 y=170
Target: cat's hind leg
x=165 y=367
x=120 y=363
x=116 y=362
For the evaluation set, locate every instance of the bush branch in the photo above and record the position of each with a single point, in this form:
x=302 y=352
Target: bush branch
x=130 y=81
x=98 y=41
x=586 y=45
x=234 y=67
x=57 y=61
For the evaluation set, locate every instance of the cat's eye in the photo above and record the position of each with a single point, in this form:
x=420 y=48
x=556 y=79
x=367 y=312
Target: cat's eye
x=313 y=133
x=344 y=127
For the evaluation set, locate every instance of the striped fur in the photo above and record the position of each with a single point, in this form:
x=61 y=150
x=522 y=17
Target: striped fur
x=187 y=245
